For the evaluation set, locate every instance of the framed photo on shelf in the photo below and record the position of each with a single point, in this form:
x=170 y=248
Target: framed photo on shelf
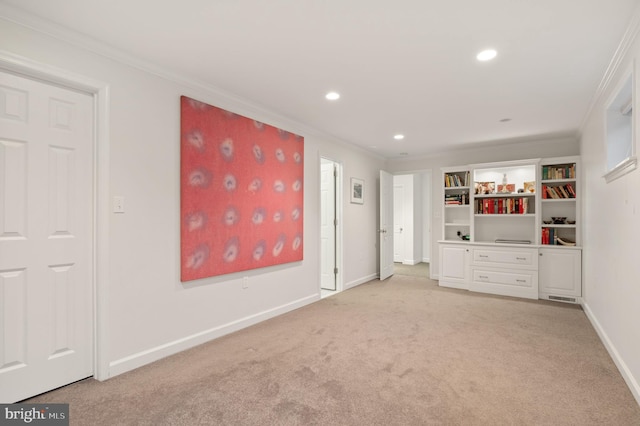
x=357 y=191
x=530 y=187
x=507 y=189
x=485 y=187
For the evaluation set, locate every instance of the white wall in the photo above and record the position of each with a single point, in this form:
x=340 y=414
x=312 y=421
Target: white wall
x=150 y=313
x=611 y=232
x=535 y=148
x=427 y=177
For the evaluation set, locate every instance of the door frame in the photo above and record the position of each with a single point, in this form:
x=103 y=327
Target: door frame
x=339 y=216
x=427 y=191
x=28 y=68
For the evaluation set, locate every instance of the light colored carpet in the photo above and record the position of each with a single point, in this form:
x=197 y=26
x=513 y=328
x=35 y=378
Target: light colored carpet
x=418 y=270
x=398 y=352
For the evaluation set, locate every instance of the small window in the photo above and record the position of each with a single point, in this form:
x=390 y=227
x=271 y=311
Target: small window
x=620 y=131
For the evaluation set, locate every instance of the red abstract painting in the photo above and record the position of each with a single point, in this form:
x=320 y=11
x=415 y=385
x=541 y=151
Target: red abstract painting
x=241 y=193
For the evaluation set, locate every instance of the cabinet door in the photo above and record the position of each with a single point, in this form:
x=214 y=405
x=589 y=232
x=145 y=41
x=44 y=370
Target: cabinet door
x=454 y=263
x=560 y=273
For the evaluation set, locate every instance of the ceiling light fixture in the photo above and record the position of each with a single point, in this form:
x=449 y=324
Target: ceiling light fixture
x=333 y=96
x=504 y=120
x=398 y=137
x=486 y=55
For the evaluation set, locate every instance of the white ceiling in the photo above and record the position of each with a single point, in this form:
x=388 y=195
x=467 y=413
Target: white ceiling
x=402 y=66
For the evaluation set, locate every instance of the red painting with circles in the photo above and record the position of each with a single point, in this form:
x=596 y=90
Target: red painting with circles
x=241 y=193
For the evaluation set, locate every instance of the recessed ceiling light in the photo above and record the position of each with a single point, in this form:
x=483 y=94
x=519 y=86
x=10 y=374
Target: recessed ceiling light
x=332 y=96
x=404 y=153
x=504 y=120
x=486 y=55
x=398 y=137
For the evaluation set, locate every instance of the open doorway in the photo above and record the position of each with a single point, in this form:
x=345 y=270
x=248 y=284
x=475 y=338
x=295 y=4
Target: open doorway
x=330 y=241
x=412 y=222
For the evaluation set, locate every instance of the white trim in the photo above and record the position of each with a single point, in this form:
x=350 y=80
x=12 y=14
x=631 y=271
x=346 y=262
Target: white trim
x=631 y=382
x=100 y=92
x=621 y=52
x=359 y=281
x=148 y=356
x=625 y=166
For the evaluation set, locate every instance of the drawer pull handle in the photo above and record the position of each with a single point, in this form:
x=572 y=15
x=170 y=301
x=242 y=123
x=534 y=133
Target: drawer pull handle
x=484 y=255
x=521 y=258
x=484 y=277
x=521 y=281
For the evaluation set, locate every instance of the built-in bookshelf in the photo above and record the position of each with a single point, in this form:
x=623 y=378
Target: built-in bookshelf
x=504 y=202
x=559 y=208
x=457 y=201
x=521 y=220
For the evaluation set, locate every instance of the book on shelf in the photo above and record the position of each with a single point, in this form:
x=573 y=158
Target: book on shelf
x=558 y=191
x=517 y=205
x=559 y=171
x=452 y=180
x=456 y=199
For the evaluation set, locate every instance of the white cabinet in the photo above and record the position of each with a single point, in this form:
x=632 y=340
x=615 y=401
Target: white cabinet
x=454 y=265
x=505 y=270
x=560 y=270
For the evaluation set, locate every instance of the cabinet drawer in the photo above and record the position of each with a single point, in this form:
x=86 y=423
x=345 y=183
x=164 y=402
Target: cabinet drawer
x=506 y=258
x=505 y=282
x=503 y=278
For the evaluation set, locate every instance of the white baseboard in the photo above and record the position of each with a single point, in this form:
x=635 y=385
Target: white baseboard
x=410 y=262
x=360 y=281
x=631 y=381
x=148 y=356
x=426 y=260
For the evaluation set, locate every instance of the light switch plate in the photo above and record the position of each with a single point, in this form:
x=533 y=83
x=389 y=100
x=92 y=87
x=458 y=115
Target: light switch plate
x=118 y=204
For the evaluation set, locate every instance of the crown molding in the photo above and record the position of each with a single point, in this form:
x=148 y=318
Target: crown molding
x=620 y=54
x=241 y=105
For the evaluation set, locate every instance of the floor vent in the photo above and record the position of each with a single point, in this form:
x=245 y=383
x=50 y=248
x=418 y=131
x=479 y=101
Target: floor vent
x=563 y=299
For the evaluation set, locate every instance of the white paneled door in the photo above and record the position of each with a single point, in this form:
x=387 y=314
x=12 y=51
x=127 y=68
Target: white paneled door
x=386 y=225
x=46 y=246
x=328 y=225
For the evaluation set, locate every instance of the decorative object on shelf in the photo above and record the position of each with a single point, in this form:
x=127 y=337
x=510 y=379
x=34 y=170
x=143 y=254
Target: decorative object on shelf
x=557 y=220
x=506 y=241
x=565 y=242
x=465 y=237
x=530 y=187
x=504 y=187
x=357 y=191
x=547 y=222
x=571 y=222
x=520 y=190
x=485 y=187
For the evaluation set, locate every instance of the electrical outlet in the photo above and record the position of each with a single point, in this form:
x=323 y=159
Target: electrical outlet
x=245 y=282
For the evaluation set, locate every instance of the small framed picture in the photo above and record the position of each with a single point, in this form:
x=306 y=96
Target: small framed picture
x=357 y=191
x=485 y=187
x=507 y=189
x=530 y=187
